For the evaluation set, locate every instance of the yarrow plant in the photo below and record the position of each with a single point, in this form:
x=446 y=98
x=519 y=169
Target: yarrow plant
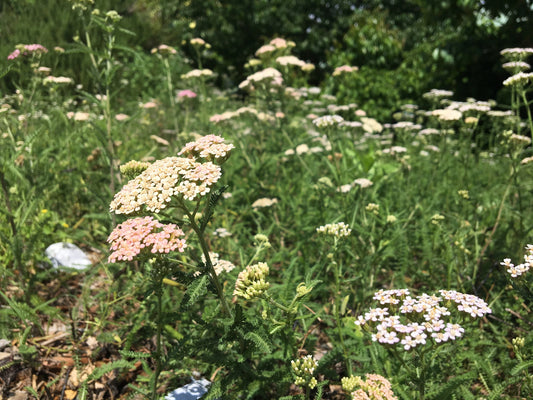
x=419 y=323
x=169 y=183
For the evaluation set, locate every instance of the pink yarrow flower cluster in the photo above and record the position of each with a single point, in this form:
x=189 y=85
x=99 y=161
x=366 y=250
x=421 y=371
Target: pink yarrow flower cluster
x=27 y=50
x=187 y=94
x=133 y=236
x=374 y=387
x=520 y=269
x=411 y=322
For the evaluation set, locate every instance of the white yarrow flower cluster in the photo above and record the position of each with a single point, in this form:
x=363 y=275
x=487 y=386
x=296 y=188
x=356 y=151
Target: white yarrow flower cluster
x=327 y=120
x=411 y=322
x=520 y=269
x=340 y=229
x=519 y=79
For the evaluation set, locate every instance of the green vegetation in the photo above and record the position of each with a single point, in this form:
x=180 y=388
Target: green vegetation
x=305 y=219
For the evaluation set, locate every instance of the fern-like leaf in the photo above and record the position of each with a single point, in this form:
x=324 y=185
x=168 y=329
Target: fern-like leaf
x=196 y=289
x=105 y=368
x=260 y=342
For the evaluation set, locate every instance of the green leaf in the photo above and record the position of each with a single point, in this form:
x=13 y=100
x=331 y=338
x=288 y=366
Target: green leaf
x=196 y=289
x=260 y=342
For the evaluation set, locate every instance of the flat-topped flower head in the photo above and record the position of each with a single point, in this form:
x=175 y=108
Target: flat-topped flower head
x=210 y=148
x=344 y=69
x=327 y=120
x=516 y=66
x=340 y=229
x=375 y=387
x=136 y=235
x=268 y=76
x=517 y=53
x=290 y=60
x=27 y=50
x=519 y=79
x=410 y=322
x=164 y=50
x=518 y=270
x=197 y=73
x=155 y=187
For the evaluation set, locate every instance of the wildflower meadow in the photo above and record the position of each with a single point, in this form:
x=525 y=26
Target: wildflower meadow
x=270 y=236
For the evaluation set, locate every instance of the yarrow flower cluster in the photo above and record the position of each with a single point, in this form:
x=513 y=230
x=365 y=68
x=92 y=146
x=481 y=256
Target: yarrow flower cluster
x=189 y=94
x=218 y=264
x=519 y=79
x=270 y=76
x=27 y=50
x=327 y=120
x=209 y=147
x=411 y=322
x=344 y=69
x=447 y=114
x=162 y=180
x=340 y=229
x=517 y=53
x=164 y=50
x=251 y=281
x=375 y=387
x=132 y=236
x=303 y=369
x=437 y=94
x=197 y=73
x=520 y=269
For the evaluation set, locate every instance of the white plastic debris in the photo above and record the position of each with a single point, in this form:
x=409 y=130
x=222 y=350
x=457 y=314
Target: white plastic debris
x=67 y=255
x=192 y=391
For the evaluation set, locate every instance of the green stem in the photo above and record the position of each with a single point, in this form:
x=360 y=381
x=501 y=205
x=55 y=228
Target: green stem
x=158 y=350
x=524 y=99
x=209 y=264
x=337 y=316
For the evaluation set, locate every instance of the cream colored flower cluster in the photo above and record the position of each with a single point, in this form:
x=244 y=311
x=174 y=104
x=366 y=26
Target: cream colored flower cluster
x=327 y=120
x=269 y=76
x=210 y=148
x=251 y=281
x=344 y=69
x=197 y=73
x=340 y=229
x=218 y=264
x=165 y=178
x=155 y=186
x=375 y=387
x=519 y=79
x=275 y=44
